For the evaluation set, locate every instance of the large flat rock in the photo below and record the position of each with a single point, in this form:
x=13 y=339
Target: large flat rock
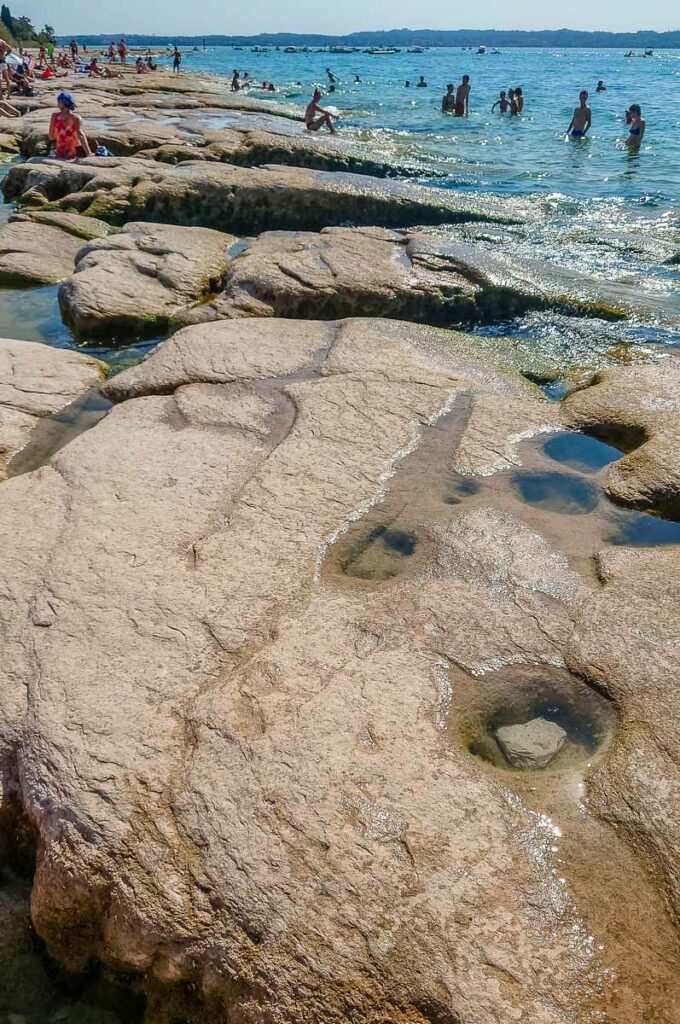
x=136 y=281
x=239 y=199
x=259 y=804
x=37 y=381
x=341 y=272
x=260 y=810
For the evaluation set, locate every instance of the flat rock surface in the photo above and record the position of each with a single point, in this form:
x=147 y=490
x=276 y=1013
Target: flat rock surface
x=137 y=279
x=244 y=200
x=37 y=381
x=82 y=227
x=35 y=254
x=261 y=805
x=531 y=744
x=636 y=408
x=342 y=272
x=260 y=801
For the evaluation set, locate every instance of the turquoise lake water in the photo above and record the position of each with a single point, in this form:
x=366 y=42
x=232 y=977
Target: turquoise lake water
x=503 y=154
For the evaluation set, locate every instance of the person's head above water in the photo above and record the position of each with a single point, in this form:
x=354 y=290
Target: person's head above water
x=466 y=79
x=635 y=110
x=583 y=96
x=65 y=100
x=449 y=87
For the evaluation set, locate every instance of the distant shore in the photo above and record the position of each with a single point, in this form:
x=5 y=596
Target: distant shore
x=563 y=38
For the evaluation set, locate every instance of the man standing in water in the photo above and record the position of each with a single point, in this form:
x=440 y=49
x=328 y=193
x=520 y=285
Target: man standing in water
x=463 y=97
x=582 y=118
x=449 y=100
x=314 y=122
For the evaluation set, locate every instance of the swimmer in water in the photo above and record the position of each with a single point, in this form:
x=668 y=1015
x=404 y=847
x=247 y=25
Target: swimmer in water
x=449 y=100
x=407 y=84
x=421 y=83
x=637 y=126
x=519 y=99
x=502 y=102
x=463 y=97
x=331 y=77
x=316 y=117
x=601 y=87
x=581 y=119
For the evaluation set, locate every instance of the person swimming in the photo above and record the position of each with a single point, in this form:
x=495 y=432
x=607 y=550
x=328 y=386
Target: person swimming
x=519 y=99
x=637 y=126
x=449 y=100
x=601 y=87
x=331 y=77
x=502 y=102
x=463 y=97
x=316 y=117
x=407 y=84
x=421 y=83
x=582 y=118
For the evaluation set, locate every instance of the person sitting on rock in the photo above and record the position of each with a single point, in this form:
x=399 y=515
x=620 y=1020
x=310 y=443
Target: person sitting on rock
x=313 y=122
x=140 y=67
x=66 y=130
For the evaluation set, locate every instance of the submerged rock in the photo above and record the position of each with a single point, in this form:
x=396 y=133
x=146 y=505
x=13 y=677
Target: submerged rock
x=258 y=805
x=136 y=281
x=239 y=199
x=532 y=744
x=36 y=381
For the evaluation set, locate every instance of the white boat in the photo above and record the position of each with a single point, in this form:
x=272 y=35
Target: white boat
x=481 y=49
x=382 y=51
x=259 y=49
x=343 y=49
x=416 y=49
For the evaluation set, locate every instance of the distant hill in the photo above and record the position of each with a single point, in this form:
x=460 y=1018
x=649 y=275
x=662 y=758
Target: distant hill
x=560 y=38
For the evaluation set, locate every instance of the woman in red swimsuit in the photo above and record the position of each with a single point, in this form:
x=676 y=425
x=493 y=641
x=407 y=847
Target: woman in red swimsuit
x=66 y=130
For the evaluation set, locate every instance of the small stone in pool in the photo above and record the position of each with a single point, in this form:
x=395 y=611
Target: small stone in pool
x=531 y=745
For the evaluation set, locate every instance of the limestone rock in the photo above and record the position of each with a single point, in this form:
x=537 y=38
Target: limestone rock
x=217 y=818
x=82 y=227
x=239 y=199
x=136 y=280
x=531 y=744
x=37 y=381
x=35 y=254
x=437 y=279
x=636 y=408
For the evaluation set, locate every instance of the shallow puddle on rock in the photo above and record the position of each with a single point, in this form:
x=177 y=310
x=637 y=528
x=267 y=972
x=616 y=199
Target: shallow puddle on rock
x=565 y=493
x=387 y=539
x=32 y=314
x=54 y=432
x=590 y=872
x=580 y=452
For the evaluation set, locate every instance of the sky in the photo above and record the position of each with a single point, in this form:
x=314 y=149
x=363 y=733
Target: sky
x=207 y=17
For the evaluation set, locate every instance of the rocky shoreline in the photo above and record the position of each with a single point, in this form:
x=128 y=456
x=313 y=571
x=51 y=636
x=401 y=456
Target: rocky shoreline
x=262 y=623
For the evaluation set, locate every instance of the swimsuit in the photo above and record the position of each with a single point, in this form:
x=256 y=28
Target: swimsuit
x=67 y=142
x=577 y=134
x=635 y=131
x=460 y=108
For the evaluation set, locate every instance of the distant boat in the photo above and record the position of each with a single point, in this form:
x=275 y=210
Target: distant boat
x=416 y=49
x=259 y=49
x=343 y=49
x=382 y=51
x=481 y=49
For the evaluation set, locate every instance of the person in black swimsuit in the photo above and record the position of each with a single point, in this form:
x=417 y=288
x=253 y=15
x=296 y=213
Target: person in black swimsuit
x=637 y=126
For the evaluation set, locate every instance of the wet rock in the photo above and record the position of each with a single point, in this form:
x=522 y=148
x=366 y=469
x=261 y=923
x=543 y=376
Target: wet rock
x=35 y=254
x=243 y=200
x=532 y=744
x=214 y=818
x=254 y=148
x=137 y=280
x=636 y=408
x=36 y=381
x=342 y=272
